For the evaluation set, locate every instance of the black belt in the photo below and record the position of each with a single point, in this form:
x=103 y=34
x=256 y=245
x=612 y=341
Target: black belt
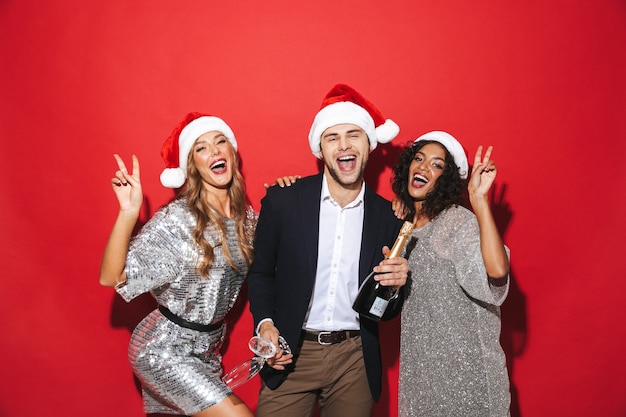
x=188 y=324
x=329 y=338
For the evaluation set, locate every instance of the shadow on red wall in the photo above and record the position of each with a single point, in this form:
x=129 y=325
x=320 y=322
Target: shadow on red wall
x=514 y=315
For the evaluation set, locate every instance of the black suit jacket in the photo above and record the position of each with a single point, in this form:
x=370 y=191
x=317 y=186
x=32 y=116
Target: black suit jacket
x=282 y=276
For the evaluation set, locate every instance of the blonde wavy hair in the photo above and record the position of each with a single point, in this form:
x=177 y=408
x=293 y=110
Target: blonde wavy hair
x=195 y=193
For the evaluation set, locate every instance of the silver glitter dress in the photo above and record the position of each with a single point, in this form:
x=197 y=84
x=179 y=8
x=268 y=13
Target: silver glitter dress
x=179 y=368
x=451 y=361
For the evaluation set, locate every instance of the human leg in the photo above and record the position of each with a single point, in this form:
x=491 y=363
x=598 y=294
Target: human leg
x=231 y=406
x=281 y=403
x=347 y=394
x=298 y=394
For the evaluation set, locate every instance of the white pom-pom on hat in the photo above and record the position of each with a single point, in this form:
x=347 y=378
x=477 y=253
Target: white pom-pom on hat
x=387 y=131
x=173 y=177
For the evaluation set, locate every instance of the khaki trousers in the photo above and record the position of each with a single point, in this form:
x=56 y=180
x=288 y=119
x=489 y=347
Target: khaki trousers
x=334 y=375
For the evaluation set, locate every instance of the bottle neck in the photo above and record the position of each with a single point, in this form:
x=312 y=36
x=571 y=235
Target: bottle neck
x=396 y=250
x=403 y=236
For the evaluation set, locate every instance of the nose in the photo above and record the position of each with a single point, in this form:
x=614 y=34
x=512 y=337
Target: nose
x=344 y=143
x=213 y=149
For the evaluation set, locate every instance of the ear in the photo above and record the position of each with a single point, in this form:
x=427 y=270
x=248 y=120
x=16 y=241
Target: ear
x=321 y=152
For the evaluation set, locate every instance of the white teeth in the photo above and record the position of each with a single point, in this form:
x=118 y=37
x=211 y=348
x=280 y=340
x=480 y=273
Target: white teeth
x=419 y=177
x=347 y=158
x=218 y=164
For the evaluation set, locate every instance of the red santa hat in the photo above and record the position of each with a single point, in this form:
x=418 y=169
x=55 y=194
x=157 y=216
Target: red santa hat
x=343 y=104
x=176 y=148
x=452 y=145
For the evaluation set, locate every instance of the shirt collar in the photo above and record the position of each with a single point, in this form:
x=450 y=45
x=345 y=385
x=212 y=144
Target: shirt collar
x=327 y=197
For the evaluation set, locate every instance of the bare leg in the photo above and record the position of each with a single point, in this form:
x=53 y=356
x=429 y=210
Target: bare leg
x=231 y=406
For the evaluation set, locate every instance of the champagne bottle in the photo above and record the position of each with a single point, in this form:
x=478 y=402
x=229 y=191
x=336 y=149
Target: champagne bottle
x=373 y=298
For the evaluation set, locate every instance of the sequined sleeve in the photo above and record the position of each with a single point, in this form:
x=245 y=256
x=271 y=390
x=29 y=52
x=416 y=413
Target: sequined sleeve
x=252 y=217
x=160 y=252
x=459 y=241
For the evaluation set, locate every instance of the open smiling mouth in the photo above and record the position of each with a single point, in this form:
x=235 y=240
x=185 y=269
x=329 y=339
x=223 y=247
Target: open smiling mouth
x=419 y=179
x=346 y=163
x=218 y=166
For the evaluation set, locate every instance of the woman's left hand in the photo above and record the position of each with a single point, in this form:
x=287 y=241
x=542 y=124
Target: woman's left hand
x=483 y=173
x=285 y=181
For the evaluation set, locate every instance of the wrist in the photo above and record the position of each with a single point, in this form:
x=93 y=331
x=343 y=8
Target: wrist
x=129 y=213
x=263 y=325
x=479 y=200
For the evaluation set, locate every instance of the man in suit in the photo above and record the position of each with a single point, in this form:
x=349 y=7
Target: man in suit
x=315 y=243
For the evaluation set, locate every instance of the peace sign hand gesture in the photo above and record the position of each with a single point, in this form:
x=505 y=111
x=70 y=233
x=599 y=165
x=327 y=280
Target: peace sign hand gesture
x=483 y=174
x=127 y=187
x=491 y=246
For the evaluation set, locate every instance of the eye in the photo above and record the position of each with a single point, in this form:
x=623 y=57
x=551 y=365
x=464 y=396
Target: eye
x=200 y=148
x=438 y=165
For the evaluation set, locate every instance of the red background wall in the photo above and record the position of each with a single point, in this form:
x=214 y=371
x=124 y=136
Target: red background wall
x=543 y=81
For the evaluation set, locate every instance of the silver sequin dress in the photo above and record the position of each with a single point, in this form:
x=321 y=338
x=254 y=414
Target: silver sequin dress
x=179 y=368
x=451 y=361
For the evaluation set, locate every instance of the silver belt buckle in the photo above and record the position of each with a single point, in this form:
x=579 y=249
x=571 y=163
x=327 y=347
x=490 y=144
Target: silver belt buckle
x=319 y=339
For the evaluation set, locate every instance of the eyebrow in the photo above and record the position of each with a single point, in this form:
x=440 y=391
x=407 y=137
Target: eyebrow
x=205 y=140
x=434 y=157
x=347 y=132
x=218 y=135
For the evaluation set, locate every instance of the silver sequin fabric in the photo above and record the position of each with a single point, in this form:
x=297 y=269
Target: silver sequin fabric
x=451 y=361
x=180 y=369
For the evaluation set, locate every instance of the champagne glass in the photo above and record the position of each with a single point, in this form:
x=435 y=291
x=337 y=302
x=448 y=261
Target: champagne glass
x=245 y=371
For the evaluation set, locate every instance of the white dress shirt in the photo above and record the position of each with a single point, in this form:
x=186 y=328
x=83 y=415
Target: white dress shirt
x=337 y=276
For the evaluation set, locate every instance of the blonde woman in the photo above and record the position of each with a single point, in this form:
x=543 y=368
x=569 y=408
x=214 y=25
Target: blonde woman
x=193 y=256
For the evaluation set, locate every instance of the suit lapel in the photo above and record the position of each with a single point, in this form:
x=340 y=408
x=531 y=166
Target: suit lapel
x=369 y=240
x=309 y=205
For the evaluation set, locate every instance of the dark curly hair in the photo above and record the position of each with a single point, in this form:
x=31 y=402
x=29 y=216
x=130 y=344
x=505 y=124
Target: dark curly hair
x=447 y=192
